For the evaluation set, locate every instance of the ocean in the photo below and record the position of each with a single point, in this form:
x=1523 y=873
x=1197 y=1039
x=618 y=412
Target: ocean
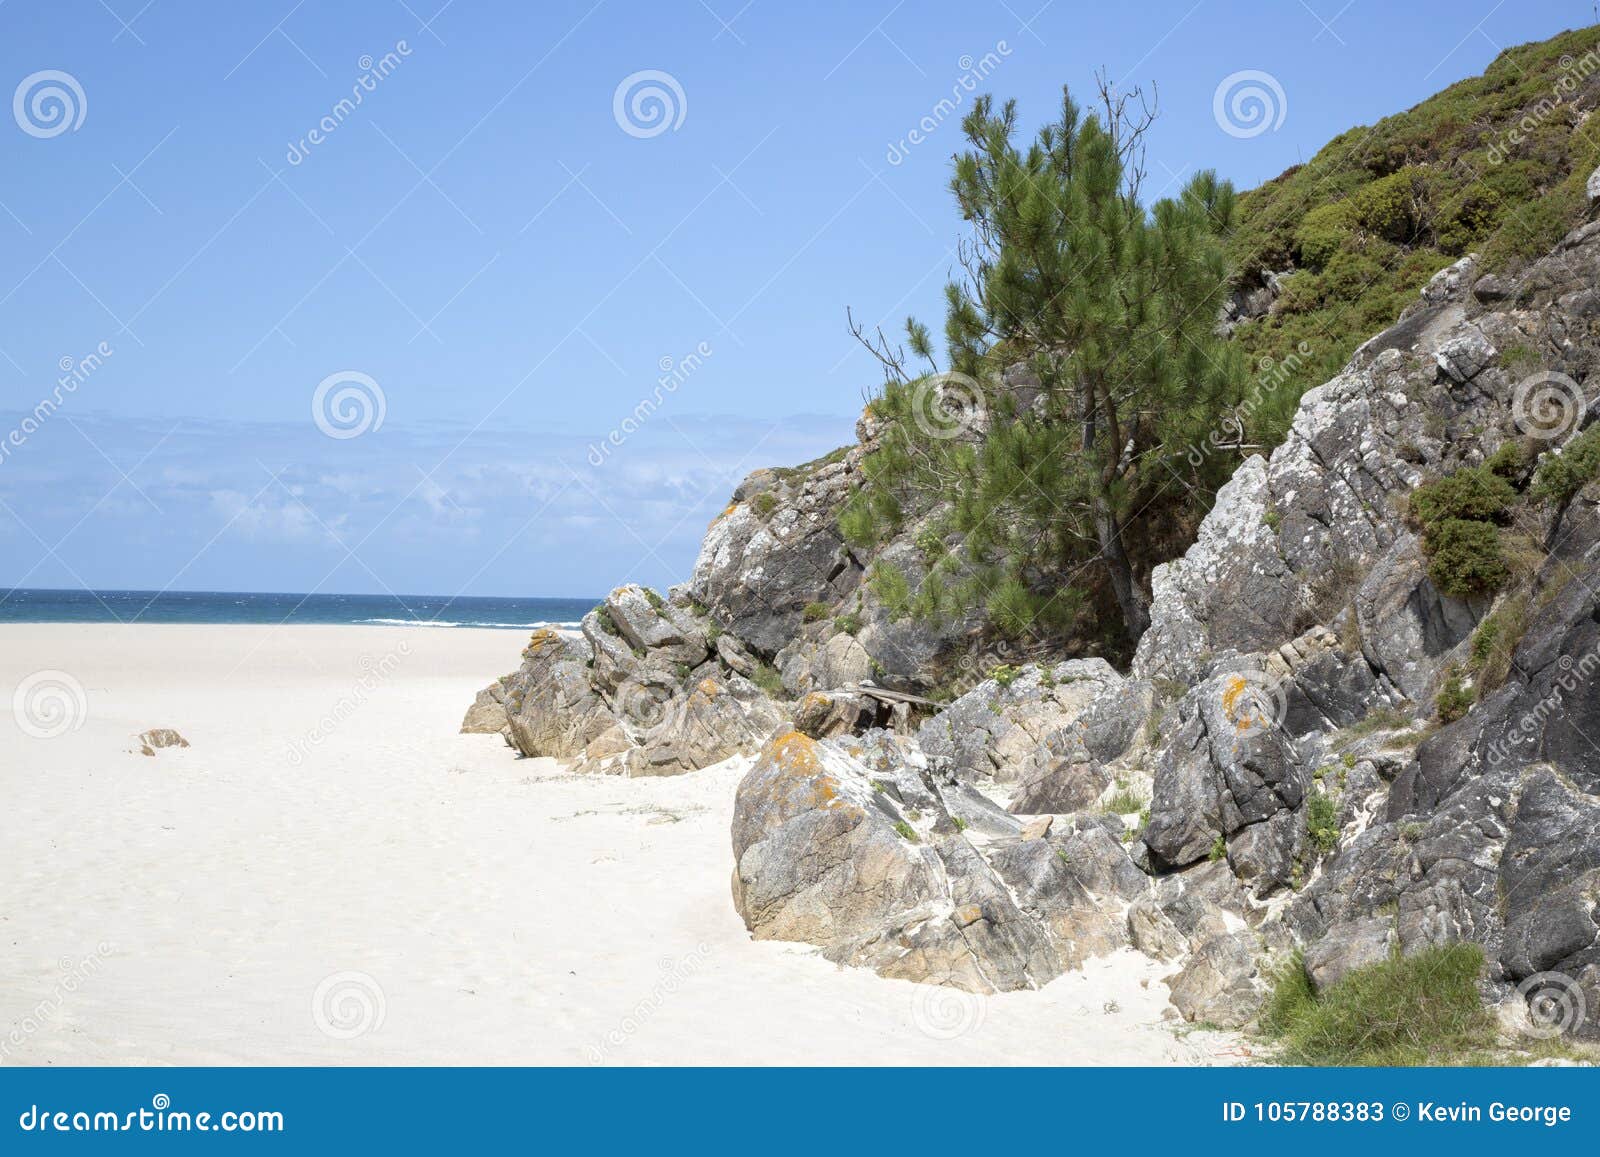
x=22 y=605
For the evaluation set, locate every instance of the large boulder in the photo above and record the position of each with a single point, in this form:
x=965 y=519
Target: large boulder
x=487 y=715
x=1021 y=724
x=827 y=854
x=1228 y=775
x=714 y=719
x=775 y=551
x=648 y=623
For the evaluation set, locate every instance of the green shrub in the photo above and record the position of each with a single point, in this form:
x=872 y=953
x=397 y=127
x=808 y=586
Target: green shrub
x=1322 y=822
x=1393 y=207
x=1512 y=462
x=767 y=678
x=1219 y=848
x=1323 y=233
x=1561 y=476
x=815 y=612
x=764 y=505
x=1478 y=494
x=857 y=524
x=849 y=624
x=1005 y=674
x=1453 y=700
x=1465 y=557
x=907 y=832
x=1495 y=640
x=1413 y=1010
x=1401 y=199
x=889 y=583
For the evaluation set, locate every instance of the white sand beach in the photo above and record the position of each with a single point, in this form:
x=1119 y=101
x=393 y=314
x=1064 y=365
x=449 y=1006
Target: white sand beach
x=330 y=874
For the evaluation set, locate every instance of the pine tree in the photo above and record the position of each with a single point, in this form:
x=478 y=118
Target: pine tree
x=1112 y=306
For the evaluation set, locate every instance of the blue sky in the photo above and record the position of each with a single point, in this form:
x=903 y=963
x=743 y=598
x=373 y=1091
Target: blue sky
x=508 y=261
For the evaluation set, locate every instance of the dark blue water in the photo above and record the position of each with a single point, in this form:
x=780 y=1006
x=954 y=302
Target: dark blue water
x=35 y=606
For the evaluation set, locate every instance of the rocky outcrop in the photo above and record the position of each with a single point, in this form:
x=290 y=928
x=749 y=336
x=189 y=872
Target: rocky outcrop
x=776 y=550
x=1054 y=728
x=1283 y=770
x=157 y=738
x=1277 y=713
x=1492 y=831
x=857 y=847
x=1486 y=830
x=641 y=691
x=487 y=715
x=777 y=576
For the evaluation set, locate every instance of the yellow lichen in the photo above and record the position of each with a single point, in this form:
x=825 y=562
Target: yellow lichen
x=1246 y=717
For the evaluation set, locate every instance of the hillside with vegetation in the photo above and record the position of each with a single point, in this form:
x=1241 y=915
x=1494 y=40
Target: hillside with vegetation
x=1493 y=165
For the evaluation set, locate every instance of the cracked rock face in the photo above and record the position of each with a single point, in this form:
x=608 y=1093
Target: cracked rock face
x=775 y=551
x=1026 y=728
x=1228 y=771
x=639 y=693
x=1491 y=832
x=857 y=848
x=1294 y=538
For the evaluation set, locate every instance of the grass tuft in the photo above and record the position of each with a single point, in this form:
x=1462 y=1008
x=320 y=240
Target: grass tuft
x=1414 y=1010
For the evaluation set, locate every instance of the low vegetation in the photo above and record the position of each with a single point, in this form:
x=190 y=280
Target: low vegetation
x=1127 y=800
x=1562 y=475
x=1460 y=516
x=1422 y=1009
x=1494 y=165
x=1322 y=822
x=1050 y=462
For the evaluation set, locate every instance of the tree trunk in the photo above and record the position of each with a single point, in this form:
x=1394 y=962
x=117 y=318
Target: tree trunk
x=1108 y=529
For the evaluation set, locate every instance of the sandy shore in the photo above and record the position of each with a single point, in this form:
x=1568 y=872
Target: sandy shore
x=331 y=875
